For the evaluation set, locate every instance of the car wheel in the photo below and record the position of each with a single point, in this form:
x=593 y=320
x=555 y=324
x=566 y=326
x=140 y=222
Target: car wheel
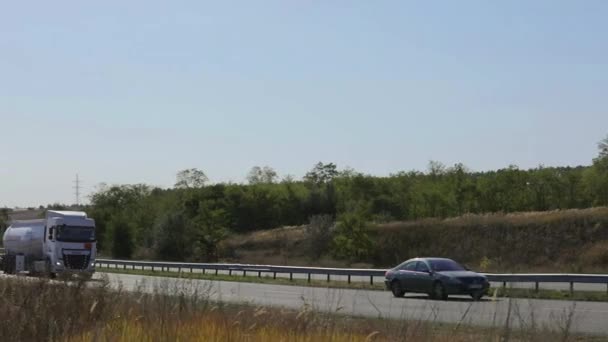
x=439 y=292
x=477 y=295
x=396 y=289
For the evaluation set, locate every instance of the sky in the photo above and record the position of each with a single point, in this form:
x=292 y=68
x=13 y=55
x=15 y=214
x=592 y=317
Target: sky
x=124 y=92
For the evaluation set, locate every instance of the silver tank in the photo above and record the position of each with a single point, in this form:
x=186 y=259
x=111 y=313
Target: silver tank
x=25 y=237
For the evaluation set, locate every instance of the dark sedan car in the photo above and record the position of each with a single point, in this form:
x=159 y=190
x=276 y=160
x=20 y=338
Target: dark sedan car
x=438 y=277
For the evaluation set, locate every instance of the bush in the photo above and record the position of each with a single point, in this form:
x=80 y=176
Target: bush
x=351 y=240
x=596 y=255
x=319 y=234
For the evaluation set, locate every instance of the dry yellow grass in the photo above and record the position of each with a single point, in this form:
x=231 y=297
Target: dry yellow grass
x=212 y=328
x=39 y=310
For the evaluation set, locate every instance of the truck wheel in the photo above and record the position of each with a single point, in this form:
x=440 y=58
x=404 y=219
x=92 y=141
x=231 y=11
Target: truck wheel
x=9 y=264
x=50 y=274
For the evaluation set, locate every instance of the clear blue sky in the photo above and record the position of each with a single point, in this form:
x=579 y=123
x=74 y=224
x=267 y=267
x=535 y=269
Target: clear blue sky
x=133 y=91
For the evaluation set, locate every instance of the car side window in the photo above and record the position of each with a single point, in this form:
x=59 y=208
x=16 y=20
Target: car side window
x=422 y=267
x=410 y=266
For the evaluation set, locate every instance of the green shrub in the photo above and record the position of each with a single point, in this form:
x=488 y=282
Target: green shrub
x=351 y=240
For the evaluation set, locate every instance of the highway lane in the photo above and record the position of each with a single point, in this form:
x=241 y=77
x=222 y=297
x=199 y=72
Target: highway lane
x=380 y=280
x=587 y=317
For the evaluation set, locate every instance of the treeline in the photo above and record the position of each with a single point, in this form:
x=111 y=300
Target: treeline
x=187 y=222
x=3 y=219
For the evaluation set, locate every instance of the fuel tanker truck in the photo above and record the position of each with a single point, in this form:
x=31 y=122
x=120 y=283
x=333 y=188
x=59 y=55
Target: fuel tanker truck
x=63 y=243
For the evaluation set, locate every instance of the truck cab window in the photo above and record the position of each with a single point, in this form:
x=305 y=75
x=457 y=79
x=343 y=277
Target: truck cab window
x=51 y=233
x=75 y=234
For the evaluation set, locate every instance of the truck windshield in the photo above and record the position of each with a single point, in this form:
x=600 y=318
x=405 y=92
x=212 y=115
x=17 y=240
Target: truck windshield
x=75 y=234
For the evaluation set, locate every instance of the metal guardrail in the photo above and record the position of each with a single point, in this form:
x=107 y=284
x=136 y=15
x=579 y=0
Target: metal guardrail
x=348 y=272
x=259 y=269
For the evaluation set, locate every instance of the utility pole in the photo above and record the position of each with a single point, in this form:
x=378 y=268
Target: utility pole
x=77 y=188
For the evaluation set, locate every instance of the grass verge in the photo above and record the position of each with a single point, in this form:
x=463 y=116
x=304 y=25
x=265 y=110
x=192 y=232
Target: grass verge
x=41 y=310
x=594 y=296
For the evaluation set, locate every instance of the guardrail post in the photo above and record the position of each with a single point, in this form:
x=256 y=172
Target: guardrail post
x=274 y=275
x=203 y=271
x=536 y=287
x=190 y=269
x=309 y=277
x=349 y=278
x=371 y=280
x=244 y=273
x=229 y=272
x=259 y=274
x=152 y=268
x=124 y=267
x=290 y=276
x=328 y=277
x=216 y=271
x=571 y=288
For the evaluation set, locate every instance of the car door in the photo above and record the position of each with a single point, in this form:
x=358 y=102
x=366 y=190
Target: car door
x=424 y=279
x=407 y=276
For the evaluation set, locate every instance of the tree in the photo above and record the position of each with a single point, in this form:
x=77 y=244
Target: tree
x=174 y=240
x=265 y=175
x=322 y=173
x=320 y=180
x=3 y=219
x=348 y=172
x=436 y=169
x=121 y=237
x=595 y=180
x=459 y=186
x=288 y=179
x=603 y=147
x=596 y=177
x=191 y=178
x=210 y=227
x=110 y=202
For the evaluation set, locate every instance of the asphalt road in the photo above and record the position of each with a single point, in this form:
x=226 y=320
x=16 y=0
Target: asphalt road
x=380 y=280
x=586 y=317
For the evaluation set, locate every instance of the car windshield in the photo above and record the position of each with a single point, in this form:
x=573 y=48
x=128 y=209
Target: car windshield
x=445 y=265
x=75 y=234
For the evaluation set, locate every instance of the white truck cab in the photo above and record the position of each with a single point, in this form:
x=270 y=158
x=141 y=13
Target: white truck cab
x=69 y=242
